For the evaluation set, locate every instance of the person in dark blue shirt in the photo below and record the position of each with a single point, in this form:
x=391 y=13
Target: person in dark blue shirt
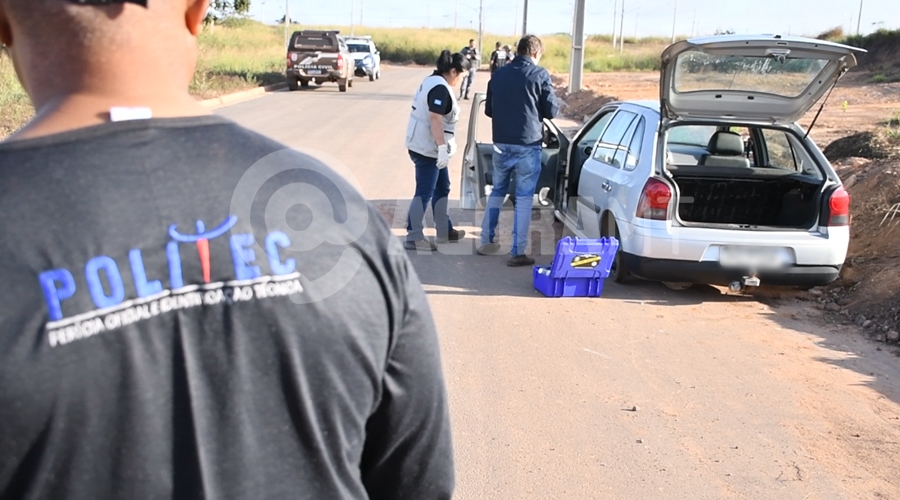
x=519 y=98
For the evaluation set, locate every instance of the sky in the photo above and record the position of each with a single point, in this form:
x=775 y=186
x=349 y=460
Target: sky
x=642 y=17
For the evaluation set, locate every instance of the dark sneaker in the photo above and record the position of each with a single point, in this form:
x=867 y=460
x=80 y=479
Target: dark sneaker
x=420 y=246
x=453 y=236
x=520 y=261
x=488 y=249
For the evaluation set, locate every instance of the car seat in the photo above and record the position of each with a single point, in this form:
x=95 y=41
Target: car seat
x=726 y=149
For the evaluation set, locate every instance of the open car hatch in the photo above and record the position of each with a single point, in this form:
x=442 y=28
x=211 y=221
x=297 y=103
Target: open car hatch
x=762 y=77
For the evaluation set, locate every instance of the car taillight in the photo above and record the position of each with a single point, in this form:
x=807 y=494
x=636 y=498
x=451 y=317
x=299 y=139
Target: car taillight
x=340 y=61
x=289 y=62
x=655 y=198
x=839 y=208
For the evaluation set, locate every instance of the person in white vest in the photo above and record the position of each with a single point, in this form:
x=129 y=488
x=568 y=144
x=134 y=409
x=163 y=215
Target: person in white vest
x=431 y=143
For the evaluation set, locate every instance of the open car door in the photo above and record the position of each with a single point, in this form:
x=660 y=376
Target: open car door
x=477 y=179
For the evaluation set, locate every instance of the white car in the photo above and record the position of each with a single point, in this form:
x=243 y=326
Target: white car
x=366 y=57
x=713 y=184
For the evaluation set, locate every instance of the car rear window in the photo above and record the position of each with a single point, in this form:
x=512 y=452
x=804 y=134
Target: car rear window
x=313 y=42
x=699 y=71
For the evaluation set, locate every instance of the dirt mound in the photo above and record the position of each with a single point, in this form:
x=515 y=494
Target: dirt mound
x=869 y=287
x=868 y=144
x=585 y=103
x=883 y=51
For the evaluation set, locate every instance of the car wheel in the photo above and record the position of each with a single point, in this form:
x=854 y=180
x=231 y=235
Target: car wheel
x=342 y=87
x=378 y=75
x=293 y=85
x=619 y=271
x=372 y=77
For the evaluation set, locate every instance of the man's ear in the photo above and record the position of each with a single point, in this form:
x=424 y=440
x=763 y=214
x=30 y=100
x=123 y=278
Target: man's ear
x=5 y=28
x=195 y=14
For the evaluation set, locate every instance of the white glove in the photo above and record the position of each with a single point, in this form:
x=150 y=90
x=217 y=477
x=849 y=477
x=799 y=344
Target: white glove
x=451 y=146
x=443 y=156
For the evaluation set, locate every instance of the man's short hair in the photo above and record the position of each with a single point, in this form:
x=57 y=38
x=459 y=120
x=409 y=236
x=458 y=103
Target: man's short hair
x=472 y=40
x=530 y=45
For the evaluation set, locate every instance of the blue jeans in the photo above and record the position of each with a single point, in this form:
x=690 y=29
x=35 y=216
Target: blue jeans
x=525 y=163
x=432 y=184
x=468 y=81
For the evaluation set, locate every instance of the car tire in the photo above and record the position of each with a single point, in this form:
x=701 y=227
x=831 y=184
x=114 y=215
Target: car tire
x=619 y=271
x=342 y=87
x=350 y=83
x=378 y=75
x=372 y=77
x=293 y=84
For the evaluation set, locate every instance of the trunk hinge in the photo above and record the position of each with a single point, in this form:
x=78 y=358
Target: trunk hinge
x=824 y=102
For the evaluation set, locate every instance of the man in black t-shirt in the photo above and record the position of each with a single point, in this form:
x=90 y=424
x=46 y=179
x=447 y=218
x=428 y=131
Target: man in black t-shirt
x=162 y=335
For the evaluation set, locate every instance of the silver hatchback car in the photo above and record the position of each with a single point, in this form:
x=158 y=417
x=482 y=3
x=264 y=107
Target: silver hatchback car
x=713 y=184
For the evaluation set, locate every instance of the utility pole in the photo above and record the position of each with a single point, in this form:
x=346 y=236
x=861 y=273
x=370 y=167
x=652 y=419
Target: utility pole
x=351 y=17
x=622 y=29
x=615 y=21
x=525 y=19
x=694 y=25
x=480 y=28
x=287 y=22
x=674 y=20
x=576 y=71
x=859 y=19
x=361 y=5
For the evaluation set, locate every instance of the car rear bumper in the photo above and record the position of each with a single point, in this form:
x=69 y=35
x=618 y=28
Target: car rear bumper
x=712 y=273
x=302 y=75
x=660 y=240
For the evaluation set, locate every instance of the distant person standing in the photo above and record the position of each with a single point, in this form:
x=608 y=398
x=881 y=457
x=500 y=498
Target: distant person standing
x=519 y=97
x=499 y=57
x=470 y=52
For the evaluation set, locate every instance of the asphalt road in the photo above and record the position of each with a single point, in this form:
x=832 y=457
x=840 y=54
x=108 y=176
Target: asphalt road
x=735 y=396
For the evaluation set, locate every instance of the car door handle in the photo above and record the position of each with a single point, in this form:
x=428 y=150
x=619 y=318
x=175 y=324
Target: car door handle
x=606 y=187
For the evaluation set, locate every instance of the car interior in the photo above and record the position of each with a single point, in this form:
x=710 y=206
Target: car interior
x=549 y=163
x=750 y=176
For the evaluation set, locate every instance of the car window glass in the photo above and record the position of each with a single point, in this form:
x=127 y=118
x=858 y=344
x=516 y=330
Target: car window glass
x=691 y=135
x=313 y=41
x=609 y=143
x=634 y=149
x=592 y=135
x=781 y=152
x=622 y=151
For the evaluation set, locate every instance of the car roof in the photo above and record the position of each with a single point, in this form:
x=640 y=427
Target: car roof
x=651 y=105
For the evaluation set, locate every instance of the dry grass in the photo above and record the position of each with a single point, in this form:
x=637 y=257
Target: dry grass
x=242 y=54
x=15 y=107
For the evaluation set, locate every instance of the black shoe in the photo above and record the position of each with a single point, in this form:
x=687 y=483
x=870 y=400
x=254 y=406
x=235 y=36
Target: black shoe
x=452 y=236
x=466 y=98
x=420 y=246
x=520 y=261
x=488 y=249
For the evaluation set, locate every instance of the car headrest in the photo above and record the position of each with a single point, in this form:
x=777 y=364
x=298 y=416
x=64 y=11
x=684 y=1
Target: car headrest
x=726 y=144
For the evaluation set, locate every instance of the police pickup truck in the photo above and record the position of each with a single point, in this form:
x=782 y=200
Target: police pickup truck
x=319 y=56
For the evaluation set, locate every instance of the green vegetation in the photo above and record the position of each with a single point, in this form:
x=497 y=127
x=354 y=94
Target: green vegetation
x=14 y=103
x=237 y=54
x=422 y=47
